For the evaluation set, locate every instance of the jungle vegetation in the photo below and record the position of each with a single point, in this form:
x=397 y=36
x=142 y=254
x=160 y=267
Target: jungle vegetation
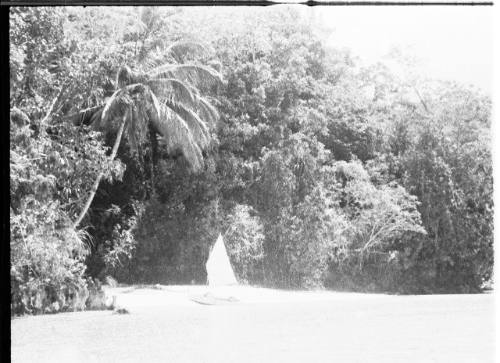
x=140 y=134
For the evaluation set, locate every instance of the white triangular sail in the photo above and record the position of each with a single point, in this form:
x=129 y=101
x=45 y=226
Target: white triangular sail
x=219 y=269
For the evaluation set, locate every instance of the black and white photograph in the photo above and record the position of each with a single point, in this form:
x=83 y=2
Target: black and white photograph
x=283 y=183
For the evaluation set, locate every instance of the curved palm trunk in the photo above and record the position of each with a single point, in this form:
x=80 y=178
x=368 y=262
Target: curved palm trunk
x=99 y=177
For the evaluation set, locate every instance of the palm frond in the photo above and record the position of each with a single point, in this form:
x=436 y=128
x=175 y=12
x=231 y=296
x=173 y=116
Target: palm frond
x=196 y=75
x=110 y=105
x=175 y=90
x=153 y=110
x=180 y=115
x=85 y=117
x=154 y=58
x=97 y=116
x=206 y=111
x=178 y=137
x=117 y=104
x=197 y=126
x=175 y=132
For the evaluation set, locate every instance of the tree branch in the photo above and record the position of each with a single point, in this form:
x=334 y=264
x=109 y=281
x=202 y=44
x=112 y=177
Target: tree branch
x=421 y=99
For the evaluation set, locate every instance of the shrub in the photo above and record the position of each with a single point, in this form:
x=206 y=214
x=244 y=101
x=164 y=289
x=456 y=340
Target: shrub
x=244 y=242
x=317 y=230
x=49 y=176
x=47 y=269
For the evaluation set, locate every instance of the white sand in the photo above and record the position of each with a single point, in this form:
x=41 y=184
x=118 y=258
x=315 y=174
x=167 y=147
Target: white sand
x=265 y=325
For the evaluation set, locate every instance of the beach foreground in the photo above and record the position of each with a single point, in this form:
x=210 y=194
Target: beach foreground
x=263 y=325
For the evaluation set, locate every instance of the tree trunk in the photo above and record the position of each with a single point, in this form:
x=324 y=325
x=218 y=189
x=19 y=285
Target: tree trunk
x=99 y=177
x=154 y=157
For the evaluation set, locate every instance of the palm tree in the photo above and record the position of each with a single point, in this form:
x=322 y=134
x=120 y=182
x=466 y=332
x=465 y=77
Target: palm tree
x=165 y=101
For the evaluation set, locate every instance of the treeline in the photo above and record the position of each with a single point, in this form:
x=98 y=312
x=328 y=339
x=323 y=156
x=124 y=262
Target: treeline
x=321 y=171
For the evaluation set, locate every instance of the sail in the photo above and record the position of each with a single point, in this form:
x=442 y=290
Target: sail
x=219 y=270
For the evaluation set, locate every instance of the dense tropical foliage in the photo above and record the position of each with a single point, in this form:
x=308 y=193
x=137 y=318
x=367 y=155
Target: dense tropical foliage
x=138 y=135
